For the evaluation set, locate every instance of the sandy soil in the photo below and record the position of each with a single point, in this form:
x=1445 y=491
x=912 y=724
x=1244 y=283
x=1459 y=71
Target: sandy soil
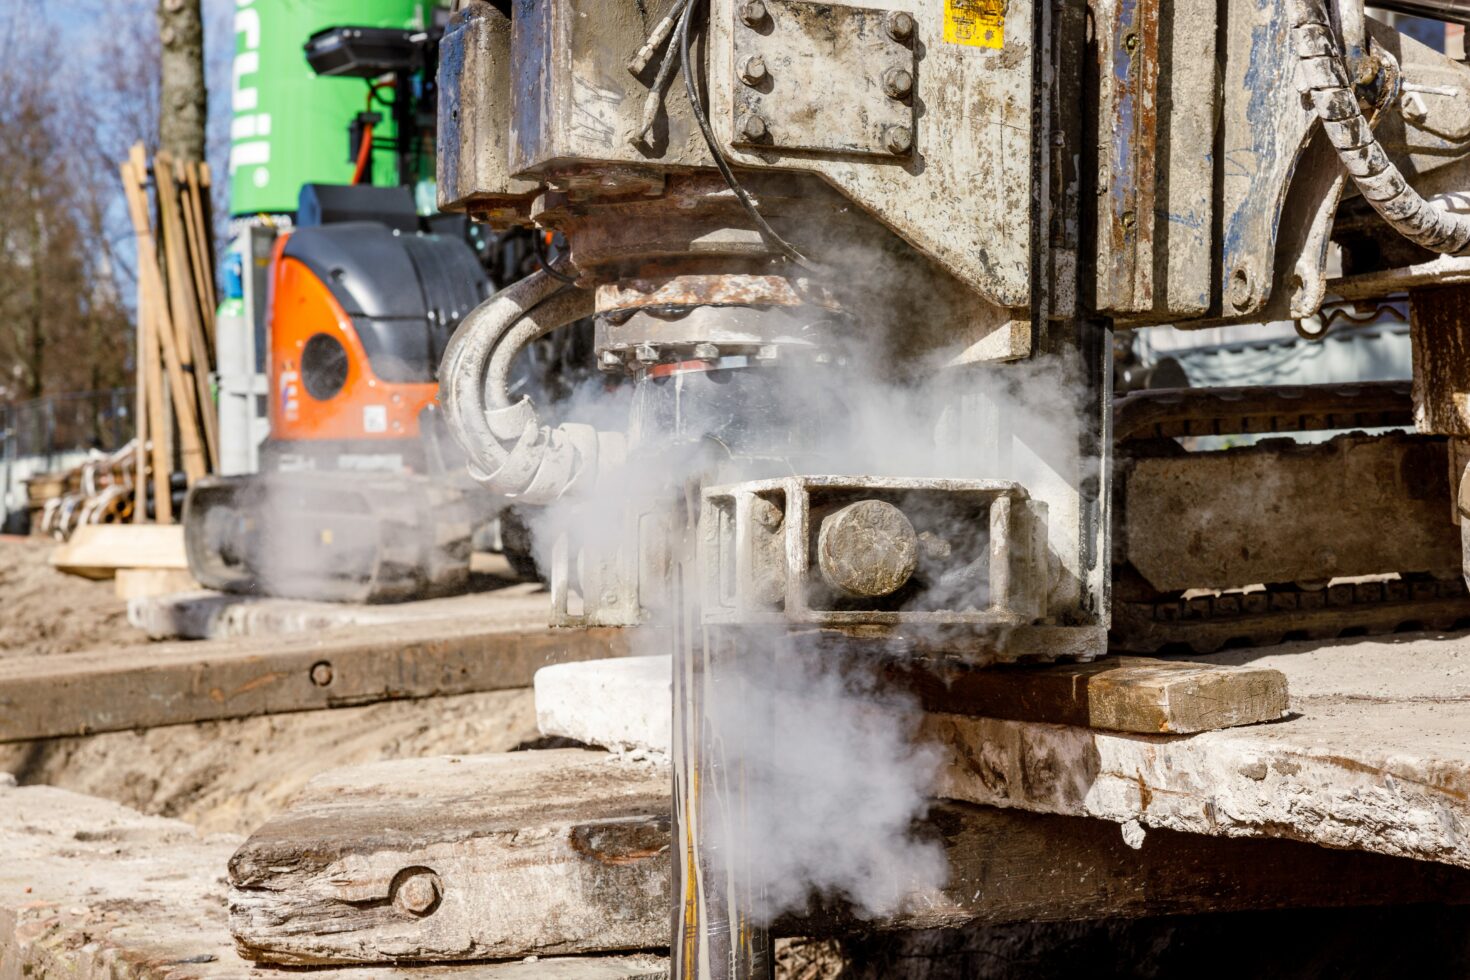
x=221 y=776
x=232 y=775
x=45 y=611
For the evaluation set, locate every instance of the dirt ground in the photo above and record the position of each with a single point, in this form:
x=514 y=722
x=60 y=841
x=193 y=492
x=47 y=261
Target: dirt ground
x=44 y=611
x=220 y=776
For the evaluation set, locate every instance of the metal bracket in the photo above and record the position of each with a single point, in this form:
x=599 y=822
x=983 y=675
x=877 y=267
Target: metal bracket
x=823 y=77
x=982 y=555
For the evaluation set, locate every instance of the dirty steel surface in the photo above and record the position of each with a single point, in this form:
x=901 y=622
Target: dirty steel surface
x=90 y=890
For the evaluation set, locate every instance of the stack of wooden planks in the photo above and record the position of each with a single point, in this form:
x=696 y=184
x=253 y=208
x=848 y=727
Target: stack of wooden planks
x=176 y=342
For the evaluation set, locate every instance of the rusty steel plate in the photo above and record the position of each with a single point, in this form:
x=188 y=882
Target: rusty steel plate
x=823 y=77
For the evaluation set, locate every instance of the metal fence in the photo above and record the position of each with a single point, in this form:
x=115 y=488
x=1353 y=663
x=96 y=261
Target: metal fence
x=65 y=423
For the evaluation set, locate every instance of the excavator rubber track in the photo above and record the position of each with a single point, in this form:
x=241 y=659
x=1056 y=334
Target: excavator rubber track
x=332 y=536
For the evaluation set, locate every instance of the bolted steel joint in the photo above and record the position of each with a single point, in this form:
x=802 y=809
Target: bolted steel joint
x=753 y=70
x=898 y=140
x=752 y=127
x=898 y=83
x=867 y=550
x=753 y=13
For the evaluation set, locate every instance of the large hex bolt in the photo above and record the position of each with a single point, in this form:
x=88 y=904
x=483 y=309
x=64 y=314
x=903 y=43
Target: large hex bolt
x=900 y=26
x=753 y=127
x=418 y=893
x=867 y=550
x=898 y=83
x=753 y=13
x=898 y=140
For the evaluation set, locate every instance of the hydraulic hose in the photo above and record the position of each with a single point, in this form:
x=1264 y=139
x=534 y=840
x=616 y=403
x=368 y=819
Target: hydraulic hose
x=509 y=450
x=1324 y=78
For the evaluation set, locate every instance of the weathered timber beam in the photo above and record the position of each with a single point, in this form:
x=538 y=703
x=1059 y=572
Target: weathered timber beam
x=1124 y=694
x=91 y=890
x=567 y=852
x=174 y=683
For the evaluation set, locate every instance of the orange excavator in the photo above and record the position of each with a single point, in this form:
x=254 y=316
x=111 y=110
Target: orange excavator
x=355 y=500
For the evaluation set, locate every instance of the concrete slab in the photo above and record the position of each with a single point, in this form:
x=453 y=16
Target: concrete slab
x=206 y=615
x=618 y=704
x=1375 y=755
x=91 y=890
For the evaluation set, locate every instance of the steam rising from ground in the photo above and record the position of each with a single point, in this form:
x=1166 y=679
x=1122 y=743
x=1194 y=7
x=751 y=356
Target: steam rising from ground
x=822 y=782
x=833 y=783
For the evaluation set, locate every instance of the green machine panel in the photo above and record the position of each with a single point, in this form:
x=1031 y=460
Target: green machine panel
x=288 y=126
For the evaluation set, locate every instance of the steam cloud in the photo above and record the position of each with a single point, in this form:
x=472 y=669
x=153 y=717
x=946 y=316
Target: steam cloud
x=831 y=782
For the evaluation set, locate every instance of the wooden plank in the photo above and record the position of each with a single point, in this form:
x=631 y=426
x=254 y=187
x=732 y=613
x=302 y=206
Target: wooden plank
x=174 y=683
x=151 y=369
x=567 y=851
x=196 y=175
x=98 y=550
x=151 y=282
x=91 y=890
x=184 y=301
x=1124 y=694
x=140 y=413
x=138 y=583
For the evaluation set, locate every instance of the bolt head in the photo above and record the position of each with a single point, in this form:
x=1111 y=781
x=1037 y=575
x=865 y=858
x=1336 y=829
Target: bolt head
x=898 y=83
x=900 y=25
x=417 y=893
x=646 y=353
x=752 y=127
x=1241 y=290
x=898 y=140
x=766 y=513
x=706 y=352
x=321 y=673
x=1413 y=108
x=753 y=70
x=753 y=13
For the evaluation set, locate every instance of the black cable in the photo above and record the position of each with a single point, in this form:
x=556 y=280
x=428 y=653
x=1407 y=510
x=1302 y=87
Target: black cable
x=539 y=244
x=766 y=231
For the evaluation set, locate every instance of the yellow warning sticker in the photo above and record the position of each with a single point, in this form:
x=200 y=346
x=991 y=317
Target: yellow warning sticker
x=978 y=23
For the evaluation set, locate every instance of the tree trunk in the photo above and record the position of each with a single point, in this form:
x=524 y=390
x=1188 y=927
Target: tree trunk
x=182 y=94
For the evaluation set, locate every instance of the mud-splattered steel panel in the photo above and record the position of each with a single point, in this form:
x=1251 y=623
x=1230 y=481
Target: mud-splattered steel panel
x=816 y=76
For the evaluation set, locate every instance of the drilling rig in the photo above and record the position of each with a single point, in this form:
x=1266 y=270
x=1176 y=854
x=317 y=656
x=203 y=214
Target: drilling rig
x=773 y=205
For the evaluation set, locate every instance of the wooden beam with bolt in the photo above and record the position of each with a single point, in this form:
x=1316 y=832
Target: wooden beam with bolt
x=415 y=860
x=175 y=683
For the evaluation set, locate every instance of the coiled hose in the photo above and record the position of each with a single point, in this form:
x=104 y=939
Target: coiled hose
x=509 y=450
x=1323 y=77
